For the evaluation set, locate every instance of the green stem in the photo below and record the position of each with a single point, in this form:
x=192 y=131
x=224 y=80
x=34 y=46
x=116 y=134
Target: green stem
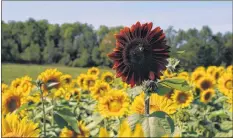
x=147 y=104
x=52 y=112
x=44 y=122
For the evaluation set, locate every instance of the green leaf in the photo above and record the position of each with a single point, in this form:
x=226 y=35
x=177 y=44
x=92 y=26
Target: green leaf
x=135 y=91
x=60 y=121
x=69 y=117
x=180 y=52
x=158 y=124
x=25 y=106
x=220 y=99
x=134 y=119
x=162 y=90
x=34 y=91
x=219 y=113
x=176 y=83
x=226 y=125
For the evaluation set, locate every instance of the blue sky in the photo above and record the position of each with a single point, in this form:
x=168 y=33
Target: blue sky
x=181 y=15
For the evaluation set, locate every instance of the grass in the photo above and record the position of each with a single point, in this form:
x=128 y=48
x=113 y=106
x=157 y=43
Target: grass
x=13 y=71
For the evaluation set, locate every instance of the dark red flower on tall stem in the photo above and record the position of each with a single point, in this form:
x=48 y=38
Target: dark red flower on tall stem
x=140 y=53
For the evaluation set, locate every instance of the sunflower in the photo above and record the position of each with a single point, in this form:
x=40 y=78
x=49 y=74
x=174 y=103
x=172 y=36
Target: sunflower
x=76 y=93
x=84 y=131
x=211 y=69
x=218 y=72
x=197 y=75
x=207 y=95
x=4 y=87
x=26 y=85
x=31 y=99
x=200 y=68
x=93 y=71
x=184 y=75
x=50 y=76
x=80 y=80
x=140 y=53
x=107 y=77
x=99 y=90
x=12 y=126
x=89 y=82
x=11 y=100
x=230 y=69
x=182 y=99
x=157 y=103
x=16 y=83
x=225 y=84
x=67 y=80
x=206 y=82
x=124 y=131
x=115 y=103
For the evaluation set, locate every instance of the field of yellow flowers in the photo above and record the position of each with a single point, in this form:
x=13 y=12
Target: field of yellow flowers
x=101 y=105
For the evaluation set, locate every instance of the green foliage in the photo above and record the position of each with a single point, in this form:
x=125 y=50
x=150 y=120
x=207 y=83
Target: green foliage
x=176 y=83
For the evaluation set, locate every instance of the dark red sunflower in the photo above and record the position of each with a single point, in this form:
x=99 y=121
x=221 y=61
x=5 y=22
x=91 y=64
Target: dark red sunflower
x=140 y=53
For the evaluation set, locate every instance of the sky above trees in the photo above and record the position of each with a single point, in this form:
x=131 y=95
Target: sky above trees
x=181 y=15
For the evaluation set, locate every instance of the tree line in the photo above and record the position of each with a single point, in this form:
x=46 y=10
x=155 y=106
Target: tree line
x=79 y=45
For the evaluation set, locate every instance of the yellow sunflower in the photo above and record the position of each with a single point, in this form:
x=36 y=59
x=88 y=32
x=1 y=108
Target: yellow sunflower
x=225 y=84
x=11 y=100
x=80 y=80
x=16 y=83
x=184 y=75
x=4 y=87
x=107 y=77
x=67 y=80
x=124 y=131
x=84 y=131
x=218 y=72
x=230 y=69
x=200 y=68
x=206 y=82
x=182 y=99
x=93 y=71
x=157 y=103
x=207 y=95
x=167 y=74
x=50 y=76
x=12 y=126
x=89 y=82
x=76 y=93
x=114 y=104
x=211 y=69
x=197 y=75
x=31 y=99
x=26 y=85
x=99 y=90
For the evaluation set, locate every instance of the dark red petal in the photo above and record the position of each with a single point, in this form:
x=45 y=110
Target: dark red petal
x=151 y=75
x=153 y=33
x=119 y=45
x=137 y=31
x=132 y=82
x=127 y=32
x=115 y=55
x=121 y=38
x=132 y=29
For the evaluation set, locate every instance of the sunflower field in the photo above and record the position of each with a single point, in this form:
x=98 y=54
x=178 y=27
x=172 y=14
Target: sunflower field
x=95 y=104
x=148 y=96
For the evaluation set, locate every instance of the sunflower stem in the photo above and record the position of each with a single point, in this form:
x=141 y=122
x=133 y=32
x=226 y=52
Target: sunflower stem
x=147 y=105
x=39 y=84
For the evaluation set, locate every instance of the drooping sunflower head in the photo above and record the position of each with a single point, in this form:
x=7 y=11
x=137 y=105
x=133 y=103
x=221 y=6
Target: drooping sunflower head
x=12 y=126
x=114 y=104
x=207 y=95
x=157 y=103
x=108 y=77
x=93 y=71
x=225 y=84
x=89 y=82
x=197 y=75
x=4 y=87
x=67 y=80
x=99 y=90
x=80 y=80
x=182 y=99
x=140 y=53
x=206 y=82
x=84 y=131
x=211 y=69
x=50 y=76
x=11 y=100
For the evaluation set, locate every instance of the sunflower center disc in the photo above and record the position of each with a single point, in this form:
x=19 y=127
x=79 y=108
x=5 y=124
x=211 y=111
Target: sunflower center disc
x=182 y=98
x=115 y=106
x=205 y=85
x=229 y=84
x=207 y=96
x=13 y=104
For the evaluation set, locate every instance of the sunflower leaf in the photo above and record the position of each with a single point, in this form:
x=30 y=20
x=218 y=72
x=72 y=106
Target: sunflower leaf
x=69 y=117
x=134 y=119
x=158 y=124
x=162 y=90
x=176 y=83
x=34 y=91
x=25 y=106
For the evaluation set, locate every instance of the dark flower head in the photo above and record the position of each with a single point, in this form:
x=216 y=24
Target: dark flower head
x=140 y=53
